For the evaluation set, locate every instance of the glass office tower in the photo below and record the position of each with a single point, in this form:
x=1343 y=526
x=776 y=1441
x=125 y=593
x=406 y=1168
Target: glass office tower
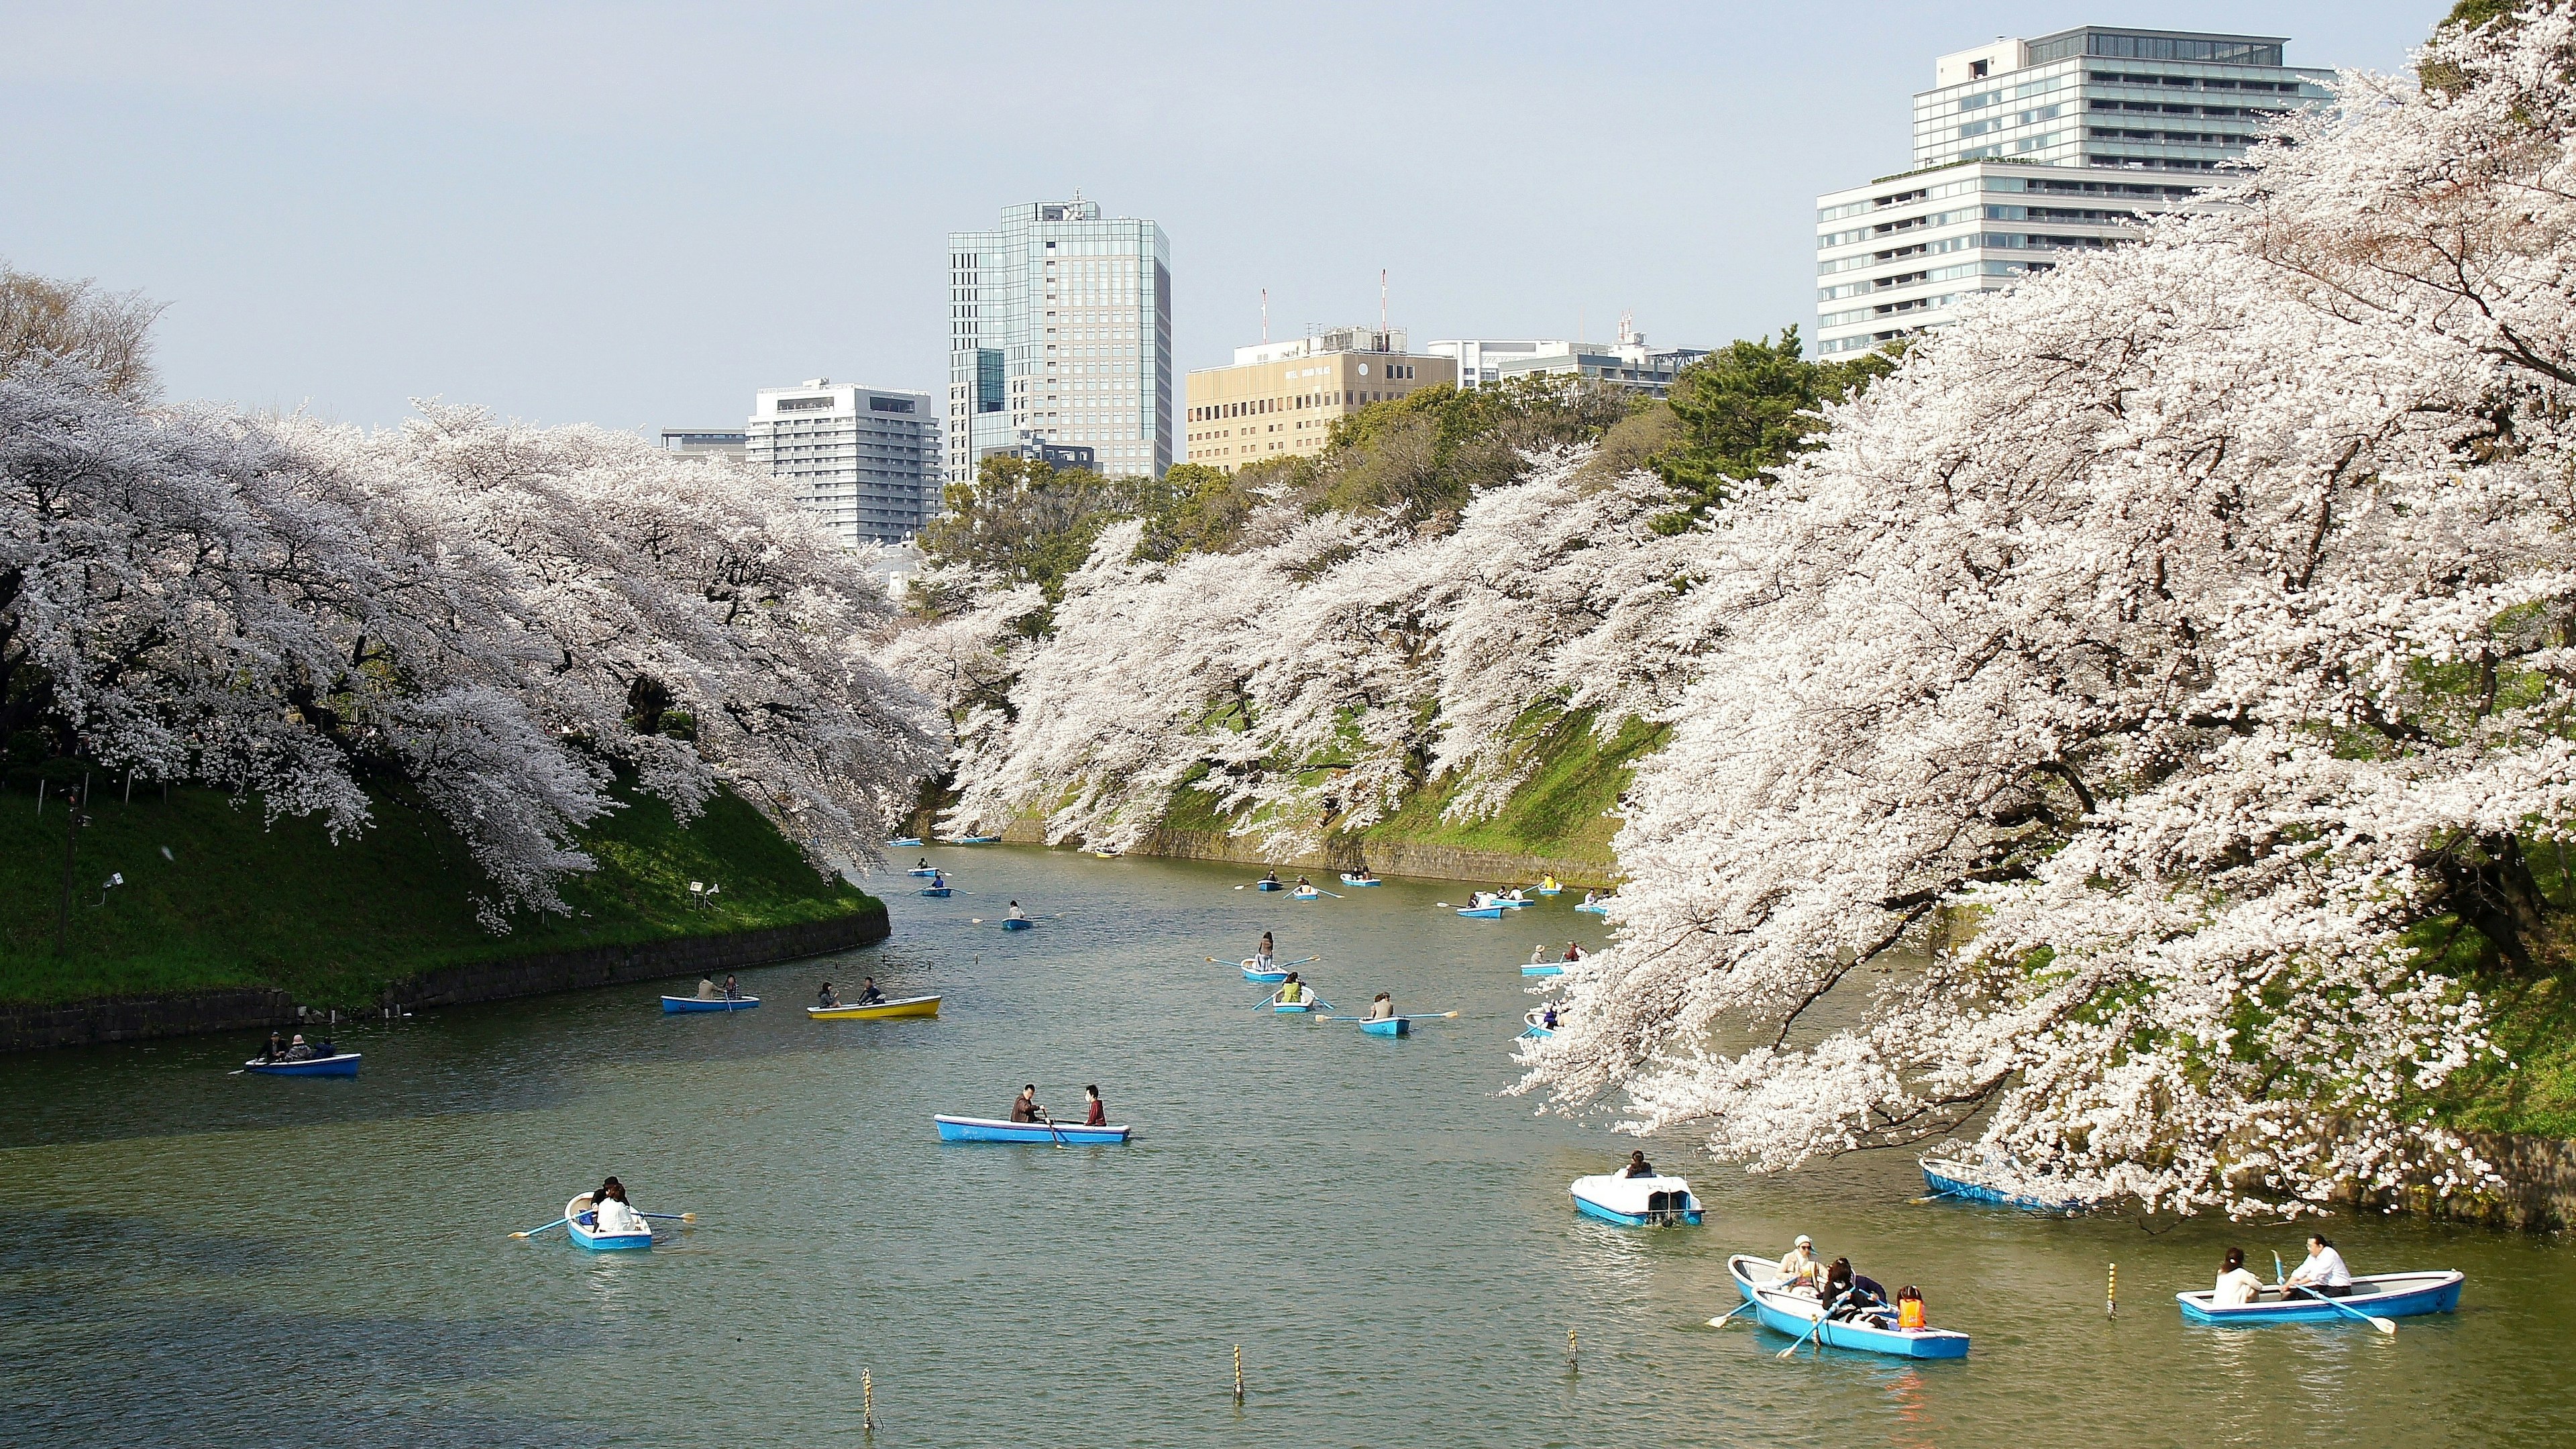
x=1060 y=335
x=2025 y=150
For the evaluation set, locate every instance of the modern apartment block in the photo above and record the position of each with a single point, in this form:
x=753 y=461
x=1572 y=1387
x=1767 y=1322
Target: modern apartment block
x=1060 y=333
x=865 y=458
x=1629 y=362
x=2025 y=150
x=1279 y=399
x=731 y=443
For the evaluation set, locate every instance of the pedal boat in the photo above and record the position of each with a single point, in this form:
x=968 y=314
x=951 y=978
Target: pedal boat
x=1638 y=1202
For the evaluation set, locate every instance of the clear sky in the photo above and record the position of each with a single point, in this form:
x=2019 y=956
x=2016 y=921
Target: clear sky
x=635 y=214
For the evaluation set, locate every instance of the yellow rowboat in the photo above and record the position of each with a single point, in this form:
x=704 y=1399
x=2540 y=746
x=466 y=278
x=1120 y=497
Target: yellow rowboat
x=908 y=1006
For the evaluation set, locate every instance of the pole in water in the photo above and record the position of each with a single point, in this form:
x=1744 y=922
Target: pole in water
x=1573 y=1363
x=867 y=1401
x=2111 y=1294
x=1238 y=1373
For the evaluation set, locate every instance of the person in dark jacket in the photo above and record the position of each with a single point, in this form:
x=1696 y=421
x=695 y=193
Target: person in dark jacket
x=1025 y=1108
x=1638 y=1166
x=1095 y=1113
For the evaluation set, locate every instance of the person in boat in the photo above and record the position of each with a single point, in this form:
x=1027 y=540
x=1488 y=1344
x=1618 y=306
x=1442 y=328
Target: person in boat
x=1587 y=898
x=1548 y=883
x=276 y=1048
x=1016 y=913
x=827 y=997
x=706 y=988
x=1292 y=992
x=732 y=988
x=1270 y=877
x=1637 y=1166
x=297 y=1051
x=2236 y=1287
x=1573 y=952
x=922 y=864
x=1363 y=873
x=1262 y=958
x=1025 y=1108
x=2323 y=1273
x=1304 y=884
x=1909 y=1309
x=612 y=1214
x=1382 y=1009
x=1095 y=1112
x=1547 y=1017
x=1800 y=1270
x=1538 y=953
x=1849 y=1295
x=868 y=993
x=939 y=880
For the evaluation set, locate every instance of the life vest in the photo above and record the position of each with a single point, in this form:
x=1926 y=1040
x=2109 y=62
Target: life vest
x=1292 y=993
x=1909 y=1313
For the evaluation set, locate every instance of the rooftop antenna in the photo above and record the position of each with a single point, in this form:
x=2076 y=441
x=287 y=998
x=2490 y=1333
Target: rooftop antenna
x=1381 y=305
x=1265 y=314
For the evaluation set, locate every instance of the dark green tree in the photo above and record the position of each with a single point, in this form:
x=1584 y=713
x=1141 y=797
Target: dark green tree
x=1746 y=409
x=1031 y=522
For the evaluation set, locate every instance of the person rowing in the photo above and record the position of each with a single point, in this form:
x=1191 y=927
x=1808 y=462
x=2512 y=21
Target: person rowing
x=827 y=997
x=611 y=1215
x=868 y=993
x=1016 y=913
x=1025 y=1108
x=1292 y=992
x=1547 y=1017
x=707 y=988
x=1548 y=883
x=1363 y=873
x=1637 y=1166
x=276 y=1048
x=1587 y=898
x=938 y=880
x=1382 y=1009
x=923 y=864
x=1270 y=877
x=732 y=988
x=2323 y=1273
x=1849 y=1295
x=1799 y=1271
x=1262 y=958
x=1573 y=952
x=1304 y=884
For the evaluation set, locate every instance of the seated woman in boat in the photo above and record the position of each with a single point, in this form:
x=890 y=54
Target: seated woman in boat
x=2323 y=1273
x=2236 y=1287
x=706 y=988
x=868 y=993
x=1270 y=877
x=732 y=988
x=1016 y=913
x=1800 y=1270
x=1637 y=1166
x=1292 y=992
x=1849 y=1295
x=1573 y=952
x=297 y=1051
x=1024 y=1107
x=612 y=1214
x=1587 y=898
x=1382 y=1009
x=827 y=996
x=1909 y=1309
x=1095 y=1112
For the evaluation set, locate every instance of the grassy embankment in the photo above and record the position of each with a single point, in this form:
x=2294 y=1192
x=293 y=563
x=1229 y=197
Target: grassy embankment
x=1564 y=811
x=234 y=903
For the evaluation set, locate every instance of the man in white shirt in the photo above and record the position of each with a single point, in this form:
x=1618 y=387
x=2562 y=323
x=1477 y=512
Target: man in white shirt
x=2324 y=1271
x=2236 y=1287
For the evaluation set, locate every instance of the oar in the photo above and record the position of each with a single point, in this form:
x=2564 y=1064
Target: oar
x=1052 y=1129
x=671 y=1217
x=1739 y=1308
x=2385 y=1325
x=1336 y=895
x=1811 y=1333
x=532 y=1232
x=1435 y=1016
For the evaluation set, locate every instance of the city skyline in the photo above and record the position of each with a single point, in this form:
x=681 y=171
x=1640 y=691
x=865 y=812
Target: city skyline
x=343 y=214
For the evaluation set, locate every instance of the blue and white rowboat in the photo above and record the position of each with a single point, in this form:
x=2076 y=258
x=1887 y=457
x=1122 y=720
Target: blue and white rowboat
x=1264 y=973
x=1594 y=909
x=936 y=893
x=1015 y=924
x=974 y=840
x=904 y=842
x=924 y=872
x=987 y=1129
x=1269 y=885
x=1637 y=1202
x=1795 y=1314
x=587 y=1235
x=672 y=1005
x=1388 y=1026
x=1349 y=879
x=1550 y=970
x=1951 y=1178
x=344 y=1064
x=1481 y=913
x=1514 y=903
x=2384 y=1295
x=1305 y=893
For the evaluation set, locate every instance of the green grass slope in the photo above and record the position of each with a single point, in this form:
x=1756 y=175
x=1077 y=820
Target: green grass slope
x=212 y=898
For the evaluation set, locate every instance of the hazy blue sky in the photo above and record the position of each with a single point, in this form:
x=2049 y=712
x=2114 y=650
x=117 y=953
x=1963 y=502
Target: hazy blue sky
x=635 y=214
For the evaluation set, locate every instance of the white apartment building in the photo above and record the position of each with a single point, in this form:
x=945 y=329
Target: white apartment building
x=1060 y=335
x=1629 y=362
x=865 y=458
x=2025 y=150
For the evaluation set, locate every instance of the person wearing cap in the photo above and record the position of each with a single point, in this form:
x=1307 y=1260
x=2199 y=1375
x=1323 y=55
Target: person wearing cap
x=1800 y=1270
x=297 y=1051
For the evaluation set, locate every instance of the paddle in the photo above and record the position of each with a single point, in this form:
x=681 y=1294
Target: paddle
x=1811 y=1332
x=2385 y=1325
x=1336 y=895
x=1723 y=1321
x=1052 y=1130
x=671 y=1217
x=532 y=1232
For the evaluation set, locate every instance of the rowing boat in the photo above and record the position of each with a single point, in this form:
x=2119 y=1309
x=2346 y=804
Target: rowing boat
x=1481 y=913
x=1349 y=879
x=341 y=1064
x=1017 y=923
x=928 y=872
x=1949 y=1177
x=1264 y=974
x=1514 y=903
x=1269 y=885
x=1305 y=893
x=1547 y=890
x=1548 y=970
x=938 y=893
x=672 y=1005
x=2384 y=1295
x=1388 y=1026
x=1594 y=909
x=1536 y=1020
x=876 y=1010
x=904 y=842
x=1795 y=1314
x=586 y=1236
x=987 y=1129
x=974 y=840
x=1637 y=1202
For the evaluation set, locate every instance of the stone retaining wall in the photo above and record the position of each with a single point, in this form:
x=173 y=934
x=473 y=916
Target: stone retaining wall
x=1396 y=858
x=2539 y=1192
x=88 y=1023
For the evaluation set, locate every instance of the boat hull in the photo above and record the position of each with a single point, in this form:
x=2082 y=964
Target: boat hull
x=1017 y=925
x=1547 y=890
x=974 y=840
x=1481 y=913
x=930 y=874
x=1594 y=910
x=987 y=1129
x=1252 y=973
x=2382 y=1295
x=343 y=1065
x=1356 y=881
x=1392 y=1026
x=1542 y=971
x=1796 y=1315
x=1954 y=1180
x=674 y=1005
x=905 y=842
x=599 y=1242
x=1269 y=885
x=1638 y=1202
x=877 y=1011
x=936 y=893
x=1305 y=895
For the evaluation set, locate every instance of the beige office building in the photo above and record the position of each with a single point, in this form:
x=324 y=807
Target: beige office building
x=1279 y=399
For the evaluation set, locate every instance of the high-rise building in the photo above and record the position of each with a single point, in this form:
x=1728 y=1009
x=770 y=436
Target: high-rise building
x=1060 y=332
x=2025 y=150
x=865 y=458
x=1279 y=399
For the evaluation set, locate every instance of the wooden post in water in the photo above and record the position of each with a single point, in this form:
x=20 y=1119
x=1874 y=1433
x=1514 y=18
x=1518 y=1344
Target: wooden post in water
x=2111 y=1294
x=1573 y=1364
x=868 y=1402
x=1238 y=1373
